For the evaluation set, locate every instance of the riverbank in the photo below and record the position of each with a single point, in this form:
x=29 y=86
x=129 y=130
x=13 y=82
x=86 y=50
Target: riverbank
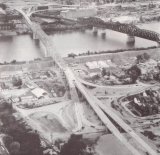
x=15 y=32
x=26 y=65
x=24 y=48
x=137 y=12
x=118 y=57
x=89 y=53
x=62 y=28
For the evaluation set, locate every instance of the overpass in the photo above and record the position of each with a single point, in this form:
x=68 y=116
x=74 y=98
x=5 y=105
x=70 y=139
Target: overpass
x=100 y=108
x=75 y=85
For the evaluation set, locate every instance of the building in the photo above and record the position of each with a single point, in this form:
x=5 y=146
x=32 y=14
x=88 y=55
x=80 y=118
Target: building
x=39 y=92
x=100 y=64
x=7 y=18
x=78 y=13
x=2 y=11
x=126 y=19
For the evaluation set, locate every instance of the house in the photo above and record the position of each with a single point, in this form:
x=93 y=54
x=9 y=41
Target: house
x=39 y=92
x=30 y=85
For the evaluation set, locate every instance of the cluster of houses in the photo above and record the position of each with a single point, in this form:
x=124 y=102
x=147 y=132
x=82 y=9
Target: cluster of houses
x=98 y=65
x=149 y=70
x=145 y=103
x=29 y=92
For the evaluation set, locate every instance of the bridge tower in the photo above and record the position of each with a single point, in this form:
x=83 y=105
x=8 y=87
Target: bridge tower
x=130 y=39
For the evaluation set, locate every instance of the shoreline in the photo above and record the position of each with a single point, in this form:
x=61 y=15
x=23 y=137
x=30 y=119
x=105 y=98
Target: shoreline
x=118 y=56
x=63 y=29
x=91 y=53
x=82 y=57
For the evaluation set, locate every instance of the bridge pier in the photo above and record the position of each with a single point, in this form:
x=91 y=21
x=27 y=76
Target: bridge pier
x=131 y=39
x=103 y=34
x=35 y=37
x=158 y=44
x=95 y=31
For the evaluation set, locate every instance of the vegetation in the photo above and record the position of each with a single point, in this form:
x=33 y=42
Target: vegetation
x=134 y=72
x=13 y=62
x=149 y=134
x=16 y=81
x=141 y=58
x=104 y=72
x=69 y=2
x=72 y=55
x=116 y=51
x=18 y=140
x=3 y=6
x=75 y=146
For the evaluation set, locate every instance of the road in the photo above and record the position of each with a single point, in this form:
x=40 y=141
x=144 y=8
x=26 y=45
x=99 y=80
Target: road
x=105 y=119
x=96 y=105
x=115 y=117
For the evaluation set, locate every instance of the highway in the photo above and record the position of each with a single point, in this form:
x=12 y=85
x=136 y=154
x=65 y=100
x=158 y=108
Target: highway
x=92 y=100
x=96 y=105
x=127 y=128
x=105 y=119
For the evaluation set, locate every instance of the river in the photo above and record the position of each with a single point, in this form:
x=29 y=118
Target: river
x=24 y=48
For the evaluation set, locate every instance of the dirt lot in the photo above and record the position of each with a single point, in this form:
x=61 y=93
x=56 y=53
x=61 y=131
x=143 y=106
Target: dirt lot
x=48 y=122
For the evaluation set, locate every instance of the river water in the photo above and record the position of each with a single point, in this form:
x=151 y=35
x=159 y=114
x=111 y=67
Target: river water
x=24 y=48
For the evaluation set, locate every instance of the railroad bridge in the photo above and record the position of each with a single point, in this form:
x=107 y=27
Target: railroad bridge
x=129 y=29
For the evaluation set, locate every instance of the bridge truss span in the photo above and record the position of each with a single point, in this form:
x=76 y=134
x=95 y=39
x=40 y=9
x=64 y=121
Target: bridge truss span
x=129 y=29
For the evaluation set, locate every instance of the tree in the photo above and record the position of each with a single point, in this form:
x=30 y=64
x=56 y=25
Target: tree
x=20 y=141
x=141 y=58
x=74 y=146
x=88 y=52
x=16 y=81
x=3 y=6
x=72 y=55
x=146 y=56
x=134 y=72
x=104 y=72
x=14 y=148
x=95 y=77
x=69 y=2
x=13 y=61
x=7 y=140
